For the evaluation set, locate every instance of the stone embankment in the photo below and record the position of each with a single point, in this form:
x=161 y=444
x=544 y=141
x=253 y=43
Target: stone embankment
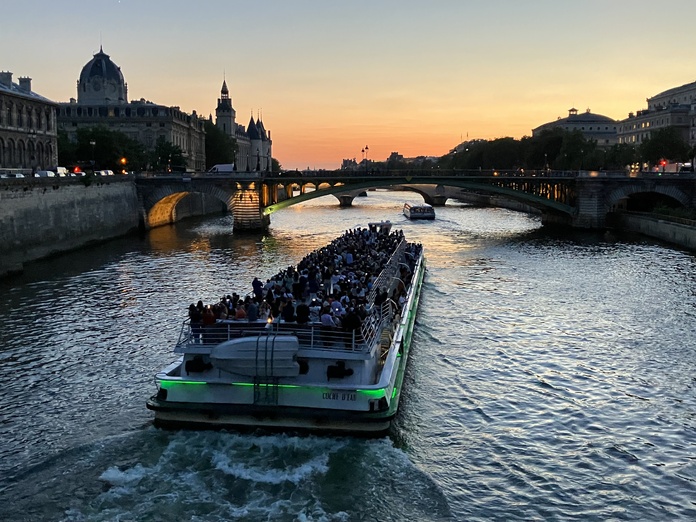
x=680 y=232
x=41 y=217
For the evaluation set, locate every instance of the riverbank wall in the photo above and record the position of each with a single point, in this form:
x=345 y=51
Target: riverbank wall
x=43 y=217
x=680 y=232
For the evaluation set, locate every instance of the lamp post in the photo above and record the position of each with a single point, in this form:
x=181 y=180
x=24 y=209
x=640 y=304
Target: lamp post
x=367 y=161
x=92 y=143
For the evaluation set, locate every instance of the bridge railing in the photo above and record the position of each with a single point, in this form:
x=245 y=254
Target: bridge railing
x=448 y=173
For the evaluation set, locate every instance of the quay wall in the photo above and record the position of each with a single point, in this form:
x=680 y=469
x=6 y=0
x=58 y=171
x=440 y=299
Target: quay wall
x=41 y=217
x=671 y=230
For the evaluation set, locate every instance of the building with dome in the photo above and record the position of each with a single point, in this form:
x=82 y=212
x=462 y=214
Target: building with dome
x=28 y=131
x=102 y=99
x=254 y=145
x=595 y=127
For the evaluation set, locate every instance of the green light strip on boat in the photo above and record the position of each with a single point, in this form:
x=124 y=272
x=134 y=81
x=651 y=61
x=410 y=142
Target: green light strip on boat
x=379 y=393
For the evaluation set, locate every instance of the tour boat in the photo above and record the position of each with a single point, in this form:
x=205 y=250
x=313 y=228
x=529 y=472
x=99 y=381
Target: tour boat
x=419 y=211
x=279 y=375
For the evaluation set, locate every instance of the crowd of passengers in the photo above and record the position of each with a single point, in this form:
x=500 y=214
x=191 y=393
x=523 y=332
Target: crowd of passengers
x=331 y=286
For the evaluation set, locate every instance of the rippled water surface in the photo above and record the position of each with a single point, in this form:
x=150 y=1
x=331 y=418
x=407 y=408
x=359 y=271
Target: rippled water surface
x=552 y=378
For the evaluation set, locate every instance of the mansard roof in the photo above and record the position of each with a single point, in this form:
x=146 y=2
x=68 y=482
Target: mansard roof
x=16 y=90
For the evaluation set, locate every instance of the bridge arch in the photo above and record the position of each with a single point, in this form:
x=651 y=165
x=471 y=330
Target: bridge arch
x=159 y=207
x=625 y=192
x=548 y=199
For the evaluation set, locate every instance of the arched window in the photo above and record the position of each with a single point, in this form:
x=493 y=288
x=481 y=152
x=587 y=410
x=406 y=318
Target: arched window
x=21 y=154
x=11 y=153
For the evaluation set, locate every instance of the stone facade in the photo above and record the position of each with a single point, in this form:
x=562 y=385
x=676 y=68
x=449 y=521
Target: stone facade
x=672 y=108
x=28 y=132
x=254 y=145
x=102 y=99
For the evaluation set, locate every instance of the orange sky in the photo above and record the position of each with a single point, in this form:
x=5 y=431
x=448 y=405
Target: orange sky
x=397 y=75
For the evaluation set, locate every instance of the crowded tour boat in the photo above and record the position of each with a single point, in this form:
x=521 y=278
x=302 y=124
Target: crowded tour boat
x=419 y=211
x=321 y=346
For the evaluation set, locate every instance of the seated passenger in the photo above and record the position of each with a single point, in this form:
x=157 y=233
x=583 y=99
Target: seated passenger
x=240 y=313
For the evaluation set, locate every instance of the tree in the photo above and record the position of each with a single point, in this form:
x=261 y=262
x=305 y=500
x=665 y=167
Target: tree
x=219 y=147
x=98 y=148
x=542 y=150
x=166 y=156
x=619 y=156
x=666 y=143
x=275 y=165
x=573 y=151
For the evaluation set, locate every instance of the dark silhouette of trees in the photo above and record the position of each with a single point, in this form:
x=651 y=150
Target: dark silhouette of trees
x=166 y=157
x=219 y=147
x=99 y=148
x=667 y=144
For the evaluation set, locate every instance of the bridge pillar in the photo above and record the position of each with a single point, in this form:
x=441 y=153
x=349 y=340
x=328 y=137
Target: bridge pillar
x=591 y=210
x=345 y=200
x=247 y=211
x=435 y=201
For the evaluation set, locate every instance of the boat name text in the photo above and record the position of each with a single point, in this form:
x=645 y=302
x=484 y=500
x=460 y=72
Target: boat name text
x=338 y=396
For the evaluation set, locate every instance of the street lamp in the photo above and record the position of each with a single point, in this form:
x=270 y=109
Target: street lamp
x=92 y=143
x=367 y=161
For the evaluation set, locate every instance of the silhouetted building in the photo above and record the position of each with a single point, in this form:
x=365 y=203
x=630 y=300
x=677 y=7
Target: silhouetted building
x=254 y=145
x=28 y=133
x=102 y=99
x=600 y=129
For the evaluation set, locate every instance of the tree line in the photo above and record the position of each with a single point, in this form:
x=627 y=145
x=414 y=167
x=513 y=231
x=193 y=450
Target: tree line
x=559 y=149
x=100 y=148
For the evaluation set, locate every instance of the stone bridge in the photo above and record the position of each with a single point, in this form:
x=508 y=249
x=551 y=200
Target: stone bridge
x=580 y=199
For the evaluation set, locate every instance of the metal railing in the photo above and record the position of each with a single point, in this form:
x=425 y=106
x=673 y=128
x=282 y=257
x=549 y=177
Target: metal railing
x=310 y=335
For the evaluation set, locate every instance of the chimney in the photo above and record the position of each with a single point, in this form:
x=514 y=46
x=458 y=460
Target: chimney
x=25 y=83
x=6 y=79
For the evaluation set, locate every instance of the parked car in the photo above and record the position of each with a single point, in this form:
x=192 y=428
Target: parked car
x=44 y=174
x=10 y=175
x=60 y=171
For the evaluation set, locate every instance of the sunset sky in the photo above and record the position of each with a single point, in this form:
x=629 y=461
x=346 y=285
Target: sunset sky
x=332 y=76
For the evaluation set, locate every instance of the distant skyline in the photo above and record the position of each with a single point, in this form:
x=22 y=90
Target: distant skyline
x=330 y=77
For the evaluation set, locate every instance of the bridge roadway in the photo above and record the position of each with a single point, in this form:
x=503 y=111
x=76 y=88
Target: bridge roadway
x=577 y=198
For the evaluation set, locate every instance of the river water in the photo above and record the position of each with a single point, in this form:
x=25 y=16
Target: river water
x=552 y=378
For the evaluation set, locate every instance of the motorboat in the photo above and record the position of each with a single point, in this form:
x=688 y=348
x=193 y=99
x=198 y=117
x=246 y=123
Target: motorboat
x=418 y=211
